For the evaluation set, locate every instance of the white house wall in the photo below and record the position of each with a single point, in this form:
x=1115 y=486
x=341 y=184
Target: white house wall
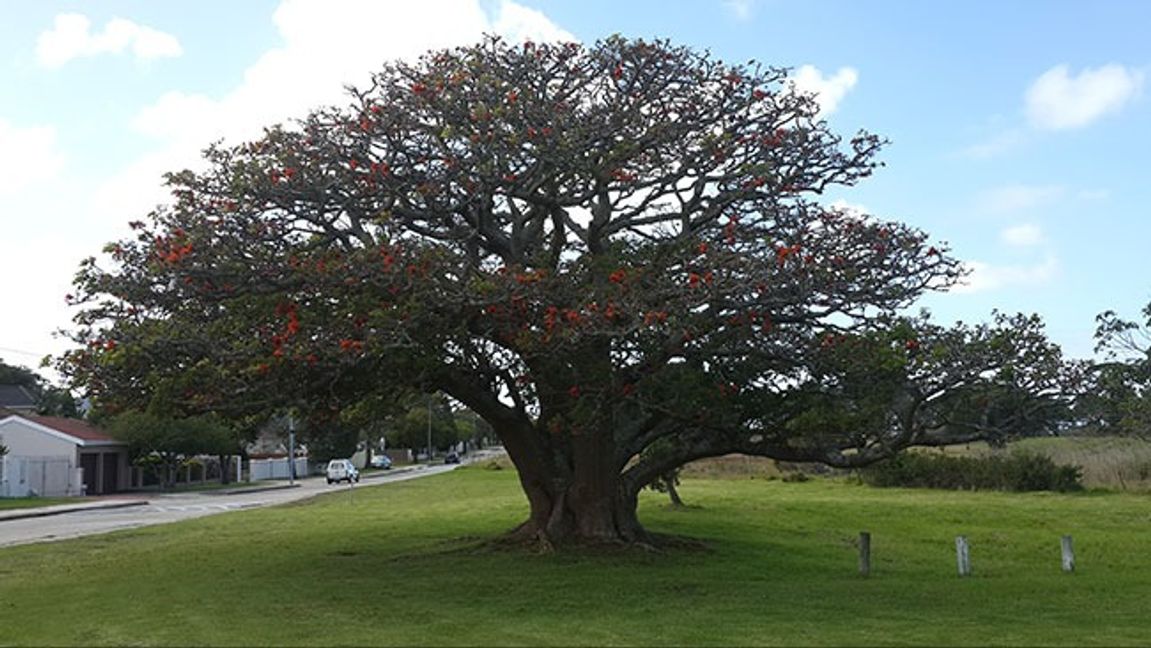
x=26 y=441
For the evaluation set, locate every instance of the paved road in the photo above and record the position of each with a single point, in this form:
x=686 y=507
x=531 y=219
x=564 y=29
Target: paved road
x=161 y=509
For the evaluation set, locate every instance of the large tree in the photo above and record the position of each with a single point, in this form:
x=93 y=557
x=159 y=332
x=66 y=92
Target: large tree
x=1117 y=397
x=615 y=255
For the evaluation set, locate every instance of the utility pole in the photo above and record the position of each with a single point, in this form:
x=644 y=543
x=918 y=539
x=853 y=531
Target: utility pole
x=291 y=450
x=429 y=428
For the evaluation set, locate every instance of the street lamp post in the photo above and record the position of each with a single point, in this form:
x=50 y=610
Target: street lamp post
x=429 y=428
x=291 y=451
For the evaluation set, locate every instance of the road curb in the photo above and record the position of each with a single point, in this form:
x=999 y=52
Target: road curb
x=23 y=514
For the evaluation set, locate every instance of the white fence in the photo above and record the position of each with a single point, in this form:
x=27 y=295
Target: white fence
x=276 y=468
x=39 y=476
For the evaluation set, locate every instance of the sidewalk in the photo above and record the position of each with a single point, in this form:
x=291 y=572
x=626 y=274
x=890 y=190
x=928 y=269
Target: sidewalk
x=44 y=511
x=127 y=501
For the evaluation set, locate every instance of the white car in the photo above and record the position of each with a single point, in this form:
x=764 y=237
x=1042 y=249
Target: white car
x=342 y=470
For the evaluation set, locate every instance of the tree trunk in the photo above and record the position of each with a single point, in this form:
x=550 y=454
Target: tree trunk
x=588 y=504
x=567 y=513
x=225 y=466
x=670 y=480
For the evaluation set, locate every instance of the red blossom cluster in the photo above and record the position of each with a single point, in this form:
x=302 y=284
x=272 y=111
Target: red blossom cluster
x=169 y=248
x=652 y=318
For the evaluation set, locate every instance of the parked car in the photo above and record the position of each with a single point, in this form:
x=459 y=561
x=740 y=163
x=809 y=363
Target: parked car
x=451 y=458
x=381 y=461
x=342 y=470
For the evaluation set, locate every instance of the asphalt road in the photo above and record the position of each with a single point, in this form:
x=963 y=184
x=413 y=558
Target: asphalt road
x=165 y=508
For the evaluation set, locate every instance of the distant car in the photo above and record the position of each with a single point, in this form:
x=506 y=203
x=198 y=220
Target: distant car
x=451 y=458
x=381 y=461
x=342 y=470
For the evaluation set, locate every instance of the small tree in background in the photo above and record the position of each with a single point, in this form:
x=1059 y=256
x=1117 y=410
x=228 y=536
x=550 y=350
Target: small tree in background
x=1117 y=396
x=410 y=428
x=164 y=444
x=50 y=400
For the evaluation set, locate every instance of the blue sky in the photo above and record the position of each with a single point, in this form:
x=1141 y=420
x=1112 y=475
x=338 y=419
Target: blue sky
x=1018 y=129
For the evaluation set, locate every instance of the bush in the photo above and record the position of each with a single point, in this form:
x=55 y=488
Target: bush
x=1021 y=471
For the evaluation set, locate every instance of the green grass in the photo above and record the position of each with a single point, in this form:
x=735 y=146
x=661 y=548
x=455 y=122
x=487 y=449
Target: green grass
x=7 y=503
x=404 y=564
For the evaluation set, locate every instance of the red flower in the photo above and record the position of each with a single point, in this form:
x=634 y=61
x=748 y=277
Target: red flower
x=622 y=175
x=618 y=276
x=702 y=248
x=573 y=391
x=617 y=72
x=512 y=96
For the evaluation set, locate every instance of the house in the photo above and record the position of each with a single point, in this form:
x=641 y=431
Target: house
x=59 y=457
x=16 y=399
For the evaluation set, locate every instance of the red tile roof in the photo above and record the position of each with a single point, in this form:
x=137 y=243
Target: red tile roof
x=72 y=427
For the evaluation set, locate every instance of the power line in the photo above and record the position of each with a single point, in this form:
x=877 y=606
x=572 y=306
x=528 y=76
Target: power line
x=27 y=353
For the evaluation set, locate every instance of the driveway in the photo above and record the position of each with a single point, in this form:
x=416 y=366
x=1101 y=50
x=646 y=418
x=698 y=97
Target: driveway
x=164 y=508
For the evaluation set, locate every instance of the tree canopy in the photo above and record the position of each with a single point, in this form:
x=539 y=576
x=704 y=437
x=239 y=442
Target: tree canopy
x=1116 y=399
x=50 y=400
x=616 y=255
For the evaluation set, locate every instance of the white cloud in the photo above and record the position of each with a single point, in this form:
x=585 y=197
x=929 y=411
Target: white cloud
x=854 y=210
x=326 y=45
x=27 y=155
x=1017 y=198
x=1026 y=235
x=741 y=9
x=71 y=38
x=985 y=277
x=828 y=91
x=1057 y=101
x=519 y=23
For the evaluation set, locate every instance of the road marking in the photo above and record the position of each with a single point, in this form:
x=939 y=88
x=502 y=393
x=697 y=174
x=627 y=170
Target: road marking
x=197 y=508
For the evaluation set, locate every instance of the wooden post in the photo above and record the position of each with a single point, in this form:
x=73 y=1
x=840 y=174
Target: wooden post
x=864 y=553
x=963 y=555
x=1068 y=554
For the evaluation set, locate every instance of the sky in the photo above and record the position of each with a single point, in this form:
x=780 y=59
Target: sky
x=1018 y=130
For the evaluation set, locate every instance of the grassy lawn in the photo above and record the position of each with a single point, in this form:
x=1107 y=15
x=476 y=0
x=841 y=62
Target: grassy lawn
x=8 y=503
x=404 y=564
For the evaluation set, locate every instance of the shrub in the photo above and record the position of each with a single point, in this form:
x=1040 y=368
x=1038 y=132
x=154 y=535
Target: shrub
x=1021 y=471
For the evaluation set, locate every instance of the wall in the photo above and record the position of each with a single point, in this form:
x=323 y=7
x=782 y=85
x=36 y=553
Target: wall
x=25 y=441
x=38 y=476
x=260 y=469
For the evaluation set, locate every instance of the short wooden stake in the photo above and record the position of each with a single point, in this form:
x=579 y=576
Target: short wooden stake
x=963 y=555
x=1068 y=554
x=864 y=553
